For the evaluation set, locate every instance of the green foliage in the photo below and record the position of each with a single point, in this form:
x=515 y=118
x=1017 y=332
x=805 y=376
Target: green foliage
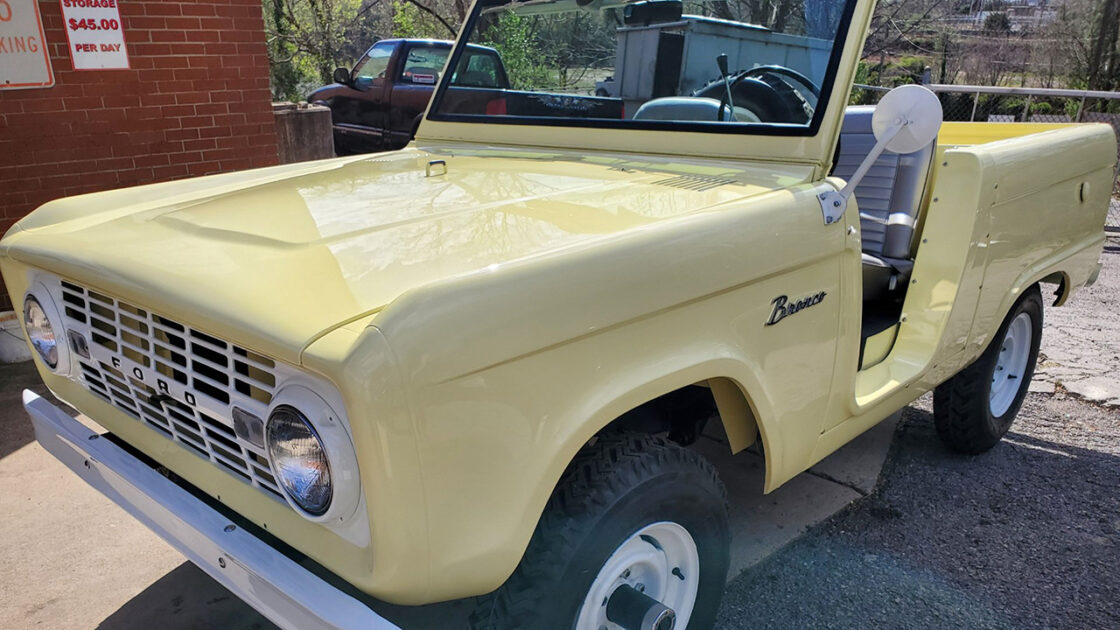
x=1042 y=108
x=997 y=23
x=410 y=22
x=308 y=39
x=866 y=74
x=525 y=60
x=913 y=65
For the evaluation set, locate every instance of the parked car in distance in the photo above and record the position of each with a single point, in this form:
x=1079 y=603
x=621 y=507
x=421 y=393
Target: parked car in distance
x=377 y=105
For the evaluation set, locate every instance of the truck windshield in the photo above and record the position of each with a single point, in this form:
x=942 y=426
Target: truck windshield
x=721 y=65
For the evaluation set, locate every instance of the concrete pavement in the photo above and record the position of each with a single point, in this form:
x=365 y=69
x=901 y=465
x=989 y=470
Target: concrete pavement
x=1081 y=348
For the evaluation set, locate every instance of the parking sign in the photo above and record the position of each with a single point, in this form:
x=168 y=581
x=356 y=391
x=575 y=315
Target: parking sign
x=25 y=61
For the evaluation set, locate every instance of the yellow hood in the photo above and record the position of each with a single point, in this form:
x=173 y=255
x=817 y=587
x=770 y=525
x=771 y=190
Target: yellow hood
x=274 y=258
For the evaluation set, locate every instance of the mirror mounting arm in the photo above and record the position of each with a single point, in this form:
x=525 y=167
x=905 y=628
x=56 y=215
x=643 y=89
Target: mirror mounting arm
x=912 y=109
x=835 y=202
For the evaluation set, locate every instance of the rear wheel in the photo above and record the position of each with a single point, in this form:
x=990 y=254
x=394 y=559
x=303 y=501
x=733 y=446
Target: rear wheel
x=636 y=530
x=974 y=409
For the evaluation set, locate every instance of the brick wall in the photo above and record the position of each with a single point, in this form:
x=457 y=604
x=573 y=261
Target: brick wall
x=195 y=101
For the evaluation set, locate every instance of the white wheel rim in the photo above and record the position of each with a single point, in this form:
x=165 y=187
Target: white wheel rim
x=660 y=560
x=1011 y=365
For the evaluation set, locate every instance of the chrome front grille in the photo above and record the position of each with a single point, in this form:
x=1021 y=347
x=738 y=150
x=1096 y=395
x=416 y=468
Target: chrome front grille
x=177 y=380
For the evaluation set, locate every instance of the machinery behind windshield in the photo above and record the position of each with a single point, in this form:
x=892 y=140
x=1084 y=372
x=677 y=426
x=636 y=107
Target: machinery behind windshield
x=656 y=63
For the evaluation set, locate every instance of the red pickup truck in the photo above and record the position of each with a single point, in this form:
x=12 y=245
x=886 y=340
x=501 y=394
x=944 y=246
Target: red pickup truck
x=377 y=105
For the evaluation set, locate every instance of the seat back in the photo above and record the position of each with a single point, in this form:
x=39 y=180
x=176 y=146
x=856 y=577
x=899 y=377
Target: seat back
x=890 y=196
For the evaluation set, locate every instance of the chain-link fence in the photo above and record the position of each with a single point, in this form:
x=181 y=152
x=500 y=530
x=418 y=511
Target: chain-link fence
x=1010 y=105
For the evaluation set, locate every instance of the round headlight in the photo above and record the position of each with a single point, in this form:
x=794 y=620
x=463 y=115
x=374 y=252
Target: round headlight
x=299 y=460
x=40 y=331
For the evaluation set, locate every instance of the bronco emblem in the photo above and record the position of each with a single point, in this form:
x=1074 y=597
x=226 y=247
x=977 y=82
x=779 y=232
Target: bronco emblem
x=783 y=307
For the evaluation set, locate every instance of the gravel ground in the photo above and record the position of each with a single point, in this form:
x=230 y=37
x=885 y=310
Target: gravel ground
x=1024 y=536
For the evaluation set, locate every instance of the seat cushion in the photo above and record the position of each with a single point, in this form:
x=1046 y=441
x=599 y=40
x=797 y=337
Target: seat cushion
x=890 y=195
x=882 y=277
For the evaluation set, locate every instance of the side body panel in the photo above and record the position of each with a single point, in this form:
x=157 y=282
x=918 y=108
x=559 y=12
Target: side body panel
x=509 y=373
x=1049 y=199
x=1001 y=217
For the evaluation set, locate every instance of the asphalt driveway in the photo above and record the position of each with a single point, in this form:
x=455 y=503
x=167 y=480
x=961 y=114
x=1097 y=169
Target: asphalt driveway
x=1024 y=536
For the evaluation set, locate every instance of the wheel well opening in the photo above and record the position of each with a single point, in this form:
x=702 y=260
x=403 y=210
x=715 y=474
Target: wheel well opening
x=683 y=413
x=1061 y=292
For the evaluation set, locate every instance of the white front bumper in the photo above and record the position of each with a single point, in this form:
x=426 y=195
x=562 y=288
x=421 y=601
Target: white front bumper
x=280 y=589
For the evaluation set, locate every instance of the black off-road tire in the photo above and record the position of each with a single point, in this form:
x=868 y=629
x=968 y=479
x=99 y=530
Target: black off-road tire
x=961 y=409
x=612 y=489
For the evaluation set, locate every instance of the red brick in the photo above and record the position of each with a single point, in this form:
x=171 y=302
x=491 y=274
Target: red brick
x=214 y=132
x=168 y=36
x=161 y=8
x=199 y=145
x=144 y=23
x=206 y=36
x=198 y=9
x=182 y=134
x=120 y=101
x=218 y=24
x=196 y=122
x=154 y=100
x=164 y=173
x=186 y=157
x=206 y=109
x=169 y=87
x=169 y=63
x=202 y=168
x=192 y=98
x=157 y=159
x=174 y=111
x=189 y=74
x=140 y=49
x=184 y=23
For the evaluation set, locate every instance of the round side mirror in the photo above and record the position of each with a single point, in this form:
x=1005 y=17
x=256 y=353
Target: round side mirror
x=912 y=114
x=342 y=75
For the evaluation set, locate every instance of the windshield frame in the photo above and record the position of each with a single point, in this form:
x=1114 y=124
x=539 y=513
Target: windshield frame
x=828 y=89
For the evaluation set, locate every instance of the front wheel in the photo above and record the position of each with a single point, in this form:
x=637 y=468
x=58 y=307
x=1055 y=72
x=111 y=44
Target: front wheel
x=634 y=536
x=974 y=410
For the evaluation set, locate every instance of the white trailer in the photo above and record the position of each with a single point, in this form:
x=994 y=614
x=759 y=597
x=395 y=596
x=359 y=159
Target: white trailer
x=679 y=57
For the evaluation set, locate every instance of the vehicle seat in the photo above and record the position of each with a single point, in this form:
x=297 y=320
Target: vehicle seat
x=677 y=108
x=889 y=199
x=476 y=78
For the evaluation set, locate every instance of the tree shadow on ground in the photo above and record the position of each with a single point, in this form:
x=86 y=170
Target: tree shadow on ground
x=185 y=599
x=1024 y=536
x=15 y=427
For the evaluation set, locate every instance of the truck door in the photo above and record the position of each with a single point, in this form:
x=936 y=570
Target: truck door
x=414 y=81
x=359 y=112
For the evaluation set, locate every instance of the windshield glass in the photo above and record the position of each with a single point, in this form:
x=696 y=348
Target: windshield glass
x=735 y=65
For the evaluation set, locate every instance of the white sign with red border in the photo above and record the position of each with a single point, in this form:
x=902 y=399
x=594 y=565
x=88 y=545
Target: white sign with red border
x=25 y=61
x=95 y=34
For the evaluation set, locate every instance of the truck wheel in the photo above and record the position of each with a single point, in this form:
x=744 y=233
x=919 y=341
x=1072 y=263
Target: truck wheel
x=974 y=409
x=636 y=529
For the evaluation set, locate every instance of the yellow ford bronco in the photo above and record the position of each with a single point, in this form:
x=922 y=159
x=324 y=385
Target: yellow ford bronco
x=473 y=367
